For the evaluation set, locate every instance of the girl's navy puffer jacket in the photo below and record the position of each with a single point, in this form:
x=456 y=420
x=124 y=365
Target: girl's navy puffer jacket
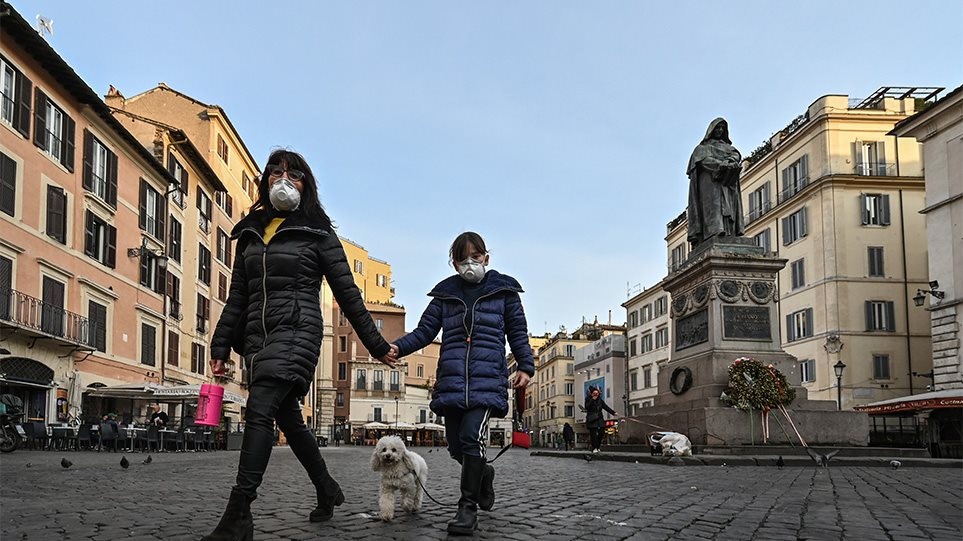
x=273 y=313
x=472 y=370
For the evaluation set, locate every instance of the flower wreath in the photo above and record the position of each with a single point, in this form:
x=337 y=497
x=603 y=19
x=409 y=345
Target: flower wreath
x=755 y=386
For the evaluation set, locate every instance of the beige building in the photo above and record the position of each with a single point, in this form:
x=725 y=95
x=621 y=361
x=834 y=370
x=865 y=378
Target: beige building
x=372 y=275
x=648 y=331
x=530 y=414
x=839 y=198
x=601 y=364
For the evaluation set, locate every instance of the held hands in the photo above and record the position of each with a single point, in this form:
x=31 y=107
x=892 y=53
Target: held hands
x=521 y=380
x=390 y=358
x=217 y=367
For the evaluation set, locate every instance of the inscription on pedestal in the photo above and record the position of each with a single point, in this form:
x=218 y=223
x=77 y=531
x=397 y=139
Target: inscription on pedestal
x=691 y=330
x=746 y=323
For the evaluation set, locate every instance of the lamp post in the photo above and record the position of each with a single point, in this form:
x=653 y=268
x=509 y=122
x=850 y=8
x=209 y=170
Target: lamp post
x=396 y=414
x=838 y=368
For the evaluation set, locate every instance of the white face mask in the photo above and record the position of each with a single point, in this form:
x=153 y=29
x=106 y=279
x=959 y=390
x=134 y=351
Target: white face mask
x=284 y=196
x=471 y=270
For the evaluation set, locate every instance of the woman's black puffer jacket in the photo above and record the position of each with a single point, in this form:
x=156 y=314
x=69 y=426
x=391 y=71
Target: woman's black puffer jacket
x=273 y=313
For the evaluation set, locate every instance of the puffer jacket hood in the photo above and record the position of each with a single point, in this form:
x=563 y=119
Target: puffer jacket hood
x=273 y=313
x=472 y=369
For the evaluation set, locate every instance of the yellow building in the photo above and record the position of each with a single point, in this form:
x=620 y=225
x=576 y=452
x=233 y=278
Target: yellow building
x=839 y=198
x=372 y=275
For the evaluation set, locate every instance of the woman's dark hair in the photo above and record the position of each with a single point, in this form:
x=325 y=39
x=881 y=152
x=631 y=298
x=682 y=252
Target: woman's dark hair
x=459 y=248
x=310 y=206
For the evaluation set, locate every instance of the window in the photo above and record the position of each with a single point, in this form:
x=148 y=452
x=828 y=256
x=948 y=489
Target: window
x=174 y=241
x=646 y=343
x=377 y=414
x=647 y=378
x=870 y=158
x=569 y=352
x=358 y=266
x=340 y=400
x=799 y=325
x=151 y=273
x=173 y=348
x=762 y=239
x=223 y=247
x=646 y=314
x=342 y=371
x=797 y=274
x=174 y=296
x=759 y=203
x=570 y=388
x=807 y=370
x=379 y=380
x=569 y=369
x=152 y=210
x=203 y=312
x=97 y=316
x=15 y=92
x=633 y=351
x=633 y=319
x=381 y=280
x=420 y=371
x=361 y=380
x=634 y=380
x=661 y=337
x=342 y=320
x=246 y=184
x=395 y=380
x=177 y=171
x=875 y=208
x=57 y=214
x=100 y=170
x=880 y=316
x=379 y=324
x=881 y=367
x=198 y=358
x=203 y=264
x=222 y=287
x=569 y=411
x=222 y=150
x=794 y=227
x=661 y=306
x=226 y=203
x=52 y=309
x=53 y=130
x=205 y=211
x=148 y=344
x=342 y=343
x=100 y=240
x=794 y=178
x=876 y=261
x=8 y=184
x=677 y=257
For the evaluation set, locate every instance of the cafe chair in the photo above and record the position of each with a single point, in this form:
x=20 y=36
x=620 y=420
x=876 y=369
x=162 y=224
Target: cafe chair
x=108 y=436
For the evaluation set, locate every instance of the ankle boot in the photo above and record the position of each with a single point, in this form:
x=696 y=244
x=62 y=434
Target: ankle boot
x=329 y=492
x=486 y=499
x=466 y=518
x=329 y=496
x=236 y=523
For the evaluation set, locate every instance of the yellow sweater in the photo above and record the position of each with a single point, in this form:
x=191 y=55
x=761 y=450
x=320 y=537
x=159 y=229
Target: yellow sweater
x=271 y=229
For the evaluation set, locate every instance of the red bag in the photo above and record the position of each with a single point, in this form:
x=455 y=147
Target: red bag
x=520 y=437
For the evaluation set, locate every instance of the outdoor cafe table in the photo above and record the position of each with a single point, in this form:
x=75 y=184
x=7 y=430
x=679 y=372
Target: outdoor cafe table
x=132 y=432
x=162 y=432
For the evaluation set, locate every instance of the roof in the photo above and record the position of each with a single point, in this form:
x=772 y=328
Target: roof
x=904 y=126
x=14 y=26
x=947 y=398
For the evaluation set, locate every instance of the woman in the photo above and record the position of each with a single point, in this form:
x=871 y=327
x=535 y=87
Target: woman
x=285 y=246
x=594 y=418
x=476 y=310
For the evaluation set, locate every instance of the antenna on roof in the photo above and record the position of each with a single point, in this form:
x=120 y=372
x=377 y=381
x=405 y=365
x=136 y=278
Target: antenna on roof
x=45 y=26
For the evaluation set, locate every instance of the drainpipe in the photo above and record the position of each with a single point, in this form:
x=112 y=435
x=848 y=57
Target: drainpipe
x=902 y=234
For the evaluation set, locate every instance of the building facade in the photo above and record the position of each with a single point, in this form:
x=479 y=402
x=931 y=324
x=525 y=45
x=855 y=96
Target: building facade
x=601 y=364
x=648 y=331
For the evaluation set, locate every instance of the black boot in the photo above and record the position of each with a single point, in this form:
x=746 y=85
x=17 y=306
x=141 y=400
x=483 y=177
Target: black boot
x=466 y=518
x=329 y=492
x=236 y=523
x=486 y=499
x=329 y=495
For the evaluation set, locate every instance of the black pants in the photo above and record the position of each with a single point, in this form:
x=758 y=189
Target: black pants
x=595 y=435
x=467 y=432
x=267 y=402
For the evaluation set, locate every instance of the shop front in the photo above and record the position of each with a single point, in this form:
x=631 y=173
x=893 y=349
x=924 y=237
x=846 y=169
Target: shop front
x=33 y=382
x=933 y=420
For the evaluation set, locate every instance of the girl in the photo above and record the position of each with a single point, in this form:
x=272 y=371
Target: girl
x=476 y=310
x=273 y=320
x=594 y=418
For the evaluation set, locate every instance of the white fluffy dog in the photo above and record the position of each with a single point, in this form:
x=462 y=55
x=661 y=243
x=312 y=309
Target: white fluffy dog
x=399 y=468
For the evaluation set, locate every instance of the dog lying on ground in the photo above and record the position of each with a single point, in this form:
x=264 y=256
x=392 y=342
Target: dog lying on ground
x=401 y=470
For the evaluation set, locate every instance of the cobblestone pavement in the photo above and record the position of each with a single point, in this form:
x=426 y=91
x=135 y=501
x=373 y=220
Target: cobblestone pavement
x=181 y=495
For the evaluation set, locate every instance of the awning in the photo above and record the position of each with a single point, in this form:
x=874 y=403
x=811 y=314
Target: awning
x=429 y=426
x=375 y=426
x=25 y=383
x=949 y=398
x=181 y=392
x=158 y=393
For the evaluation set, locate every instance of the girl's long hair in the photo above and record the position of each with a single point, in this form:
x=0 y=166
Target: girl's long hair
x=310 y=204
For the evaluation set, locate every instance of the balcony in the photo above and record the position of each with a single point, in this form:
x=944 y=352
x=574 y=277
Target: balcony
x=876 y=169
x=379 y=385
x=757 y=212
x=793 y=189
x=41 y=320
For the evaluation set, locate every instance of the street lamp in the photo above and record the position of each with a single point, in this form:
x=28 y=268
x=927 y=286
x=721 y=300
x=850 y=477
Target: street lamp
x=838 y=368
x=921 y=294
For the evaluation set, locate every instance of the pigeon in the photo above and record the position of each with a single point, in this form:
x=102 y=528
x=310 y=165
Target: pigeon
x=429 y=450
x=820 y=459
x=587 y=457
x=895 y=464
x=124 y=463
x=148 y=460
x=66 y=463
x=780 y=462
x=29 y=465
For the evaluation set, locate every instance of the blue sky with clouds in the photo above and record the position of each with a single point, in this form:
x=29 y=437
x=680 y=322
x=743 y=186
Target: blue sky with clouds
x=558 y=130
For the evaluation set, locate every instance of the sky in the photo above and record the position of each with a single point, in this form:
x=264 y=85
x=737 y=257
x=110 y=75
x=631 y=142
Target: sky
x=558 y=130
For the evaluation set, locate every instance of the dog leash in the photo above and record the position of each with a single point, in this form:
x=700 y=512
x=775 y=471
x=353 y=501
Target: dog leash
x=417 y=480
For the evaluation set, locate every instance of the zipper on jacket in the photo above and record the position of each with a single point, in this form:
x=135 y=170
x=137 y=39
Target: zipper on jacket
x=469 y=330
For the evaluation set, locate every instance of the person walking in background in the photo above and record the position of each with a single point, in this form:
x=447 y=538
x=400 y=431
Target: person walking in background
x=285 y=246
x=475 y=310
x=595 y=418
x=568 y=434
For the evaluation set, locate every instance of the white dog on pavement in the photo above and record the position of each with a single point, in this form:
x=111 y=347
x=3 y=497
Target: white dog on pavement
x=401 y=470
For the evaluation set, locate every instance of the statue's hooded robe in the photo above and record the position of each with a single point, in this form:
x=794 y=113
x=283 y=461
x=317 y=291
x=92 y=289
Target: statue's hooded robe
x=715 y=204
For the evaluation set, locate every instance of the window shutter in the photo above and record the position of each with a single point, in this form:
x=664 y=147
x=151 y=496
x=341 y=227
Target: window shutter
x=88 y=172
x=67 y=144
x=766 y=204
x=803 y=223
x=230 y=207
x=809 y=322
x=170 y=163
x=890 y=316
x=790 y=334
x=21 y=119
x=786 y=184
x=144 y=271
x=785 y=231
x=881 y=168
x=161 y=213
x=56 y=214
x=159 y=284
x=804 y=170
x=228 y=249
x=112 y=179
x=8 y=184
x=884 y=209
x=869 y=316
x=89 y=235
x=40 y=119
x=184 y=182
x=858 y=157
x=111 y=251
x=143 y=205
x=200 y=202
x=863 y=211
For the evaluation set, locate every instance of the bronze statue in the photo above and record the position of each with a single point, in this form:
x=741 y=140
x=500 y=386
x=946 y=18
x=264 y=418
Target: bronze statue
x=715 y=203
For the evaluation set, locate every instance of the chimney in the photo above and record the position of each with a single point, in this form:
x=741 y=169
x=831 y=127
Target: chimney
x=114 y=98
x=610 y=316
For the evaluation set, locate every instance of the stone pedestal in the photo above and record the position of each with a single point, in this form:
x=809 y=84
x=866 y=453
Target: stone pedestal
x=724 y=307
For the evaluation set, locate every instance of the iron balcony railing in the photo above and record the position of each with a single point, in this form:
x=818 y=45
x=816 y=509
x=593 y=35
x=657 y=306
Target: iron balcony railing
x=32 y=313
x=876 y=169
